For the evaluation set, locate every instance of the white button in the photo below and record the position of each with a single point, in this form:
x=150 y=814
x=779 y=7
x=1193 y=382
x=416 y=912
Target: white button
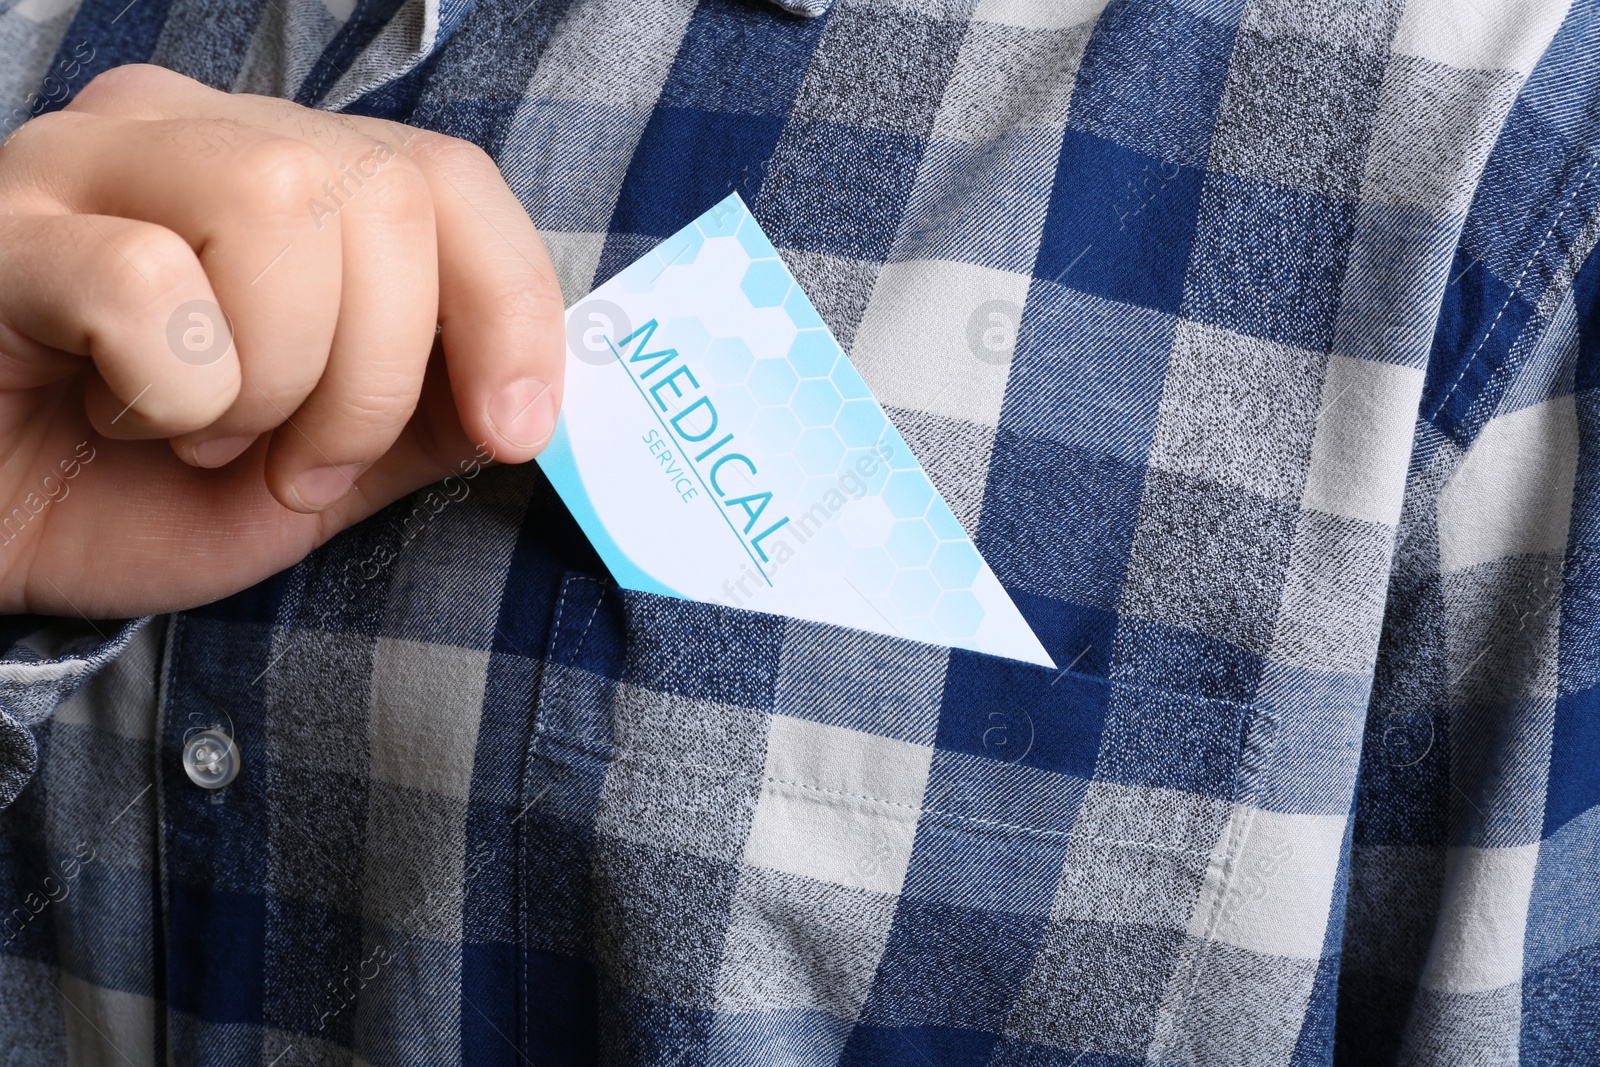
x=211 y=759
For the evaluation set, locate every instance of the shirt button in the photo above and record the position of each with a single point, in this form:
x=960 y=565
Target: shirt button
x=211 y=759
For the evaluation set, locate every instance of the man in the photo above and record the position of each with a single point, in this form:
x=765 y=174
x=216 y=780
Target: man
x=1251 y=342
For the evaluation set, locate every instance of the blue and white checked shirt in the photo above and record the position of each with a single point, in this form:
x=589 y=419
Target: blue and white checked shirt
x=1291 y=458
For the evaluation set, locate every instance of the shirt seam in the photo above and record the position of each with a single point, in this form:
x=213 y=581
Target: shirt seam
x=1522 y=277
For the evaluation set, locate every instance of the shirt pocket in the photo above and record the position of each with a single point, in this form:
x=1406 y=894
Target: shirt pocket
x=736 y=814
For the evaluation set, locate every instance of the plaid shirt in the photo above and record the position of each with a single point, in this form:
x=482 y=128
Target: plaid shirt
x=1254 y=343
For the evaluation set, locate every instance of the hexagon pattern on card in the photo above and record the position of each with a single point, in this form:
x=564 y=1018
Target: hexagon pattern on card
x=776 y=447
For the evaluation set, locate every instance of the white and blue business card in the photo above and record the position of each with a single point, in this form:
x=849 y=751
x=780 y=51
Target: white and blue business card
x=716 y=444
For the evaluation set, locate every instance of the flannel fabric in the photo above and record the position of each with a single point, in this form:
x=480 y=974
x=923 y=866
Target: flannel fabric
x=1256 y=342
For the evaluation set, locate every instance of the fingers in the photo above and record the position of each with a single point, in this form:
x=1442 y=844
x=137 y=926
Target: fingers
x=432 y=447
x=379 y=206
x=106 y=288
x=356 y=261
x=388 y=307
x=246 y=209
x=499 y=305
x=500 y=309
x=367 y=231
x=217 y=505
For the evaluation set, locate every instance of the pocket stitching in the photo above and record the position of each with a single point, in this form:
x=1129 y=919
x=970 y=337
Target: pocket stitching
x=561 y=603
x=1038 y=830
x=637 y=756
x=1253 y=715
x=1251 y=782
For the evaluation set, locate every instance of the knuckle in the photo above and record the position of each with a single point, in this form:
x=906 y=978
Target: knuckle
x=16 y=148
x=277 y=176
x=130 y=79
x=32 y=149
x=50 y=126
x=456 y=156
x=369 y=411
x=371 y=422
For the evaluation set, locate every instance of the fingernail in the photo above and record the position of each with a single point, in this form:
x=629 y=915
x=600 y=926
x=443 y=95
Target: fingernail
x=220 y=451
x=321 y=486
x=524 y=412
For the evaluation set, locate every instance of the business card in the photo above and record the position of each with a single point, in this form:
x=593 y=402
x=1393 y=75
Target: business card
x=716 y=444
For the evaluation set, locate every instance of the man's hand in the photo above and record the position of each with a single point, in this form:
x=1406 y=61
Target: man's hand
x=216 y=320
